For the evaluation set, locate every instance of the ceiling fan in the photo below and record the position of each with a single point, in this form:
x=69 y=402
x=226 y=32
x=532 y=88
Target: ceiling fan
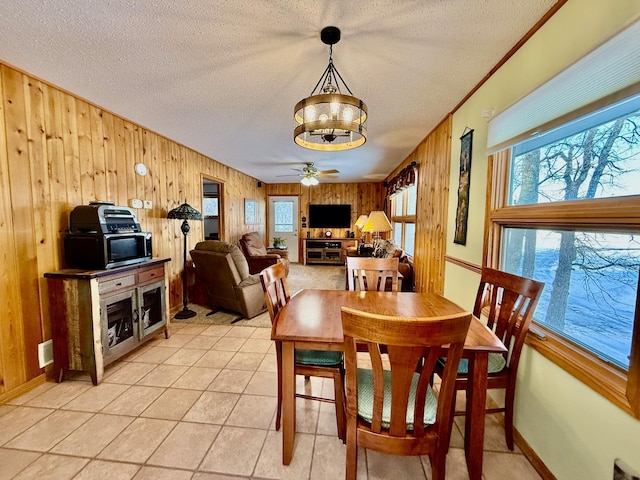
x=310 y=174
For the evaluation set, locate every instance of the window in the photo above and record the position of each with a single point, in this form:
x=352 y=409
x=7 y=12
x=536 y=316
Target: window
x=569 y=217
x=210 y=206
x=283 y=216
x=403 y=217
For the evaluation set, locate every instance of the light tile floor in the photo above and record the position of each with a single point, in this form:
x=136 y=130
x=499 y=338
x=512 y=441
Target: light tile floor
x=200 y=406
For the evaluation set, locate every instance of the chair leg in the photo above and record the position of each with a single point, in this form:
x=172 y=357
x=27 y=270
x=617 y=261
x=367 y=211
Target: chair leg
x=438 y=463
x=352 y=449
x=279 y=362
x=508 y=415
x=339 y=397
x=447 y=439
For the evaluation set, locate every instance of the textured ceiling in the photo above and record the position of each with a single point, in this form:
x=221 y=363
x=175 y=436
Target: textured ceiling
x=222 y=77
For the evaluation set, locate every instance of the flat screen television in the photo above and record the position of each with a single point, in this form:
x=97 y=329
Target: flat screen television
x=329 y=216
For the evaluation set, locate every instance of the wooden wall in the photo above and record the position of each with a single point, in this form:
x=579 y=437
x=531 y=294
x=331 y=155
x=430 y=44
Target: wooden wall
x=58 y=151
x=363 y=198
x=433 y=156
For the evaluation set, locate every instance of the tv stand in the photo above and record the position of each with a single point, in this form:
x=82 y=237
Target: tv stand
x=328 y=251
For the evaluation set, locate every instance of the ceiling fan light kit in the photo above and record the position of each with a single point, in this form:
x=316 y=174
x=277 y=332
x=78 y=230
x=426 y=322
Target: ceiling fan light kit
x=328 y=120
x=310 y=174
x=309 y=181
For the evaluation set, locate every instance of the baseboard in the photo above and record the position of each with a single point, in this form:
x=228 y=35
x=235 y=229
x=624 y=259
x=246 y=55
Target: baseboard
x=24 y=388
x=532 y=456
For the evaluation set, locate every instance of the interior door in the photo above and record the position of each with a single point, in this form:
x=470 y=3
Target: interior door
x=283 y=223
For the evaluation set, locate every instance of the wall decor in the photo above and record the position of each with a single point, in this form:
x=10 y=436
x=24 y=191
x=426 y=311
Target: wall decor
x=462 y=212
x=250 y=216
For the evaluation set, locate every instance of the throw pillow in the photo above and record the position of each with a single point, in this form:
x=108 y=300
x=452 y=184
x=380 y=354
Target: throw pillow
x=386 y=248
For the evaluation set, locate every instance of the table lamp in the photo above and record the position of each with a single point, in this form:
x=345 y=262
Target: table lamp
x=377 y=222
x=362 y=219
x=185 y=212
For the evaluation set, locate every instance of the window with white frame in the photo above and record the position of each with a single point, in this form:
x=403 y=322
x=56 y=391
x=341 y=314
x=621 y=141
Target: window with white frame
x=283 y=216
x=403 y=217
x=570 y=219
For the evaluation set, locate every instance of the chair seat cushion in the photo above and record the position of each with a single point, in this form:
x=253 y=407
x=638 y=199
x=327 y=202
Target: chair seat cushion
x=365 y=399
x=496 y=364
x=319 y=358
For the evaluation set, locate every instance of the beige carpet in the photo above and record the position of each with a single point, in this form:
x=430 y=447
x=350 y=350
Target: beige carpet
x=328 y=277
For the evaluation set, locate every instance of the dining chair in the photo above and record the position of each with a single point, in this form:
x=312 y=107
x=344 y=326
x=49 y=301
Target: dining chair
x=310 y=363
x=368 y=273
x=392 y=407
x=508 y=302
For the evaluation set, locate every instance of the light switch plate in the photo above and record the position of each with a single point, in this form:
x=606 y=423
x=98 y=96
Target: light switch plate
x=135 y=203
x=148 y=205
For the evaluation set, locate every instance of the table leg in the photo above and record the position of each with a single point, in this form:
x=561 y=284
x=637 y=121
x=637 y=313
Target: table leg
x=476 y=404
x=288 y=401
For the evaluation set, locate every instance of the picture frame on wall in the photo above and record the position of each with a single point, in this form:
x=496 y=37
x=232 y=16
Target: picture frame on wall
x=250 y=215
x=462 y=210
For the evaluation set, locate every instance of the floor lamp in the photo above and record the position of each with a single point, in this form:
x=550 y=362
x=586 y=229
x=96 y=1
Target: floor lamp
x=185 y=212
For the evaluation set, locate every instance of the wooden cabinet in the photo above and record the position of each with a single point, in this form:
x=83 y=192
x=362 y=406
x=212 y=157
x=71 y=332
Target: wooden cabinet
x=97 y=316
x=327 y=250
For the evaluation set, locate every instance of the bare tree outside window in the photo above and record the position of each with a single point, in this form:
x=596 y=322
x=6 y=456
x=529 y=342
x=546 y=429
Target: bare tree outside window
x=591 y=276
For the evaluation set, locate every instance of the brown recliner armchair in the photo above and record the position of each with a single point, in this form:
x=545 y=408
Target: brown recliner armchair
x=260 y=257
x=223 y=272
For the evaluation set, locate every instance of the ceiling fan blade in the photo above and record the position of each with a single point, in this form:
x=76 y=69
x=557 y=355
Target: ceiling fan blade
x=291 y=175
x=330 y=177
x=328 y=172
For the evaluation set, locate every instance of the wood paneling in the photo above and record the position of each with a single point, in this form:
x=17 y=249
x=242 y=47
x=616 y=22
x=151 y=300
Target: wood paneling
x=433 y=156
x=58 y=151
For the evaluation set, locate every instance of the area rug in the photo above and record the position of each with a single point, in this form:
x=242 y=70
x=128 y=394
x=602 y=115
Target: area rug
x=326 y=277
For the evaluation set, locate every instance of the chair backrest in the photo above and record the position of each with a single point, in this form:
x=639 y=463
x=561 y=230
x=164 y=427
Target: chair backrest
x=252 y=245
x=508 y=302
x=219 y=264
x=368 y=273
x=413 y=345
x=274 y=285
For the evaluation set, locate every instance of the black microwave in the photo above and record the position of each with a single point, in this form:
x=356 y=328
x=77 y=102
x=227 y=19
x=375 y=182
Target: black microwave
x=98 y=251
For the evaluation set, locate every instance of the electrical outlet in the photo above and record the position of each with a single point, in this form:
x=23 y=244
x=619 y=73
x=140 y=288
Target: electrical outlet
x=148 y=205
x=45 y=353
x=135 y=203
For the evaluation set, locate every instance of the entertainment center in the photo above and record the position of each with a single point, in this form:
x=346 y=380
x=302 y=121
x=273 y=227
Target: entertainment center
x=323 y=250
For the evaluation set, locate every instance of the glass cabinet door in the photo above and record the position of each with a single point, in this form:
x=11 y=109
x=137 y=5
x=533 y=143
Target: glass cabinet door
x=119 y=316
x=152 y=308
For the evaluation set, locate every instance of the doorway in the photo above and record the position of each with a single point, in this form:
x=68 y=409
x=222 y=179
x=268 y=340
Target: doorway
x=212 y=209
x=283 y=223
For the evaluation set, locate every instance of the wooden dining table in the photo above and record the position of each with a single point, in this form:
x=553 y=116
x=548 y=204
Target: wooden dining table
x=312 y=320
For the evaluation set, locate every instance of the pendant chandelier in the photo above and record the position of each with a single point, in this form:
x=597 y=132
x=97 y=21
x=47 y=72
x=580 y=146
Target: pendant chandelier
x=329 y=120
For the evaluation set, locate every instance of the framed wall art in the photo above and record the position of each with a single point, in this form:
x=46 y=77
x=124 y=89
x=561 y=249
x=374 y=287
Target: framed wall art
x=462 y=211
x=250 y=216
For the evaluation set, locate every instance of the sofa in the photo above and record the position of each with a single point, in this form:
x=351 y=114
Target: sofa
x=260 y=257
x=389 y=249
x=223 y=274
